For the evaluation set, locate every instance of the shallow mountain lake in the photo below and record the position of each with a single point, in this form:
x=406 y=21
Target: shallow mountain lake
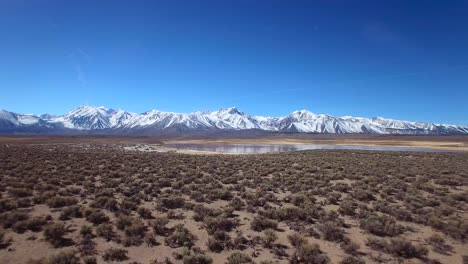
x=269 y=148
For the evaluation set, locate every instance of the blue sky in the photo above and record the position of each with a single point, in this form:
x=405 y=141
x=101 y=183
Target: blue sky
x=397 y=59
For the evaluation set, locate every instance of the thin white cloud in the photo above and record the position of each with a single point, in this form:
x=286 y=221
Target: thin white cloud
x=84 y=55
x=79 y=58
x=78 y=68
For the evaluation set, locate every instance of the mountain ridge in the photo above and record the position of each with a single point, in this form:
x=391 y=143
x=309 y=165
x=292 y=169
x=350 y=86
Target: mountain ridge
x=106 y=120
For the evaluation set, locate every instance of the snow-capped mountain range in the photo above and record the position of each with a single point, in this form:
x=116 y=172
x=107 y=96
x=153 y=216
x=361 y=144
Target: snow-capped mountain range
x=103 y=120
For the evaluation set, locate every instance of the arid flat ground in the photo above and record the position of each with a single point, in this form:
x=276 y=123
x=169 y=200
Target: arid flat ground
x=94 y=200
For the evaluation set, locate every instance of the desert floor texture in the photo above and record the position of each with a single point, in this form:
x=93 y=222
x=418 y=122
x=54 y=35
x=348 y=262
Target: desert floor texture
x=75 y=200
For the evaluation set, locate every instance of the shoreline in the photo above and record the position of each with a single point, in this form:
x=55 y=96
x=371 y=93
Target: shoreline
x=448 y=146
x=443 y=143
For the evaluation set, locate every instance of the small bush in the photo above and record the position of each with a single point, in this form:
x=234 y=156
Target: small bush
x=89 y=260
x=260 y=223
x=457 y=228
x=331 y=232
x=104 y=202
x=145 y=213
x=239 y=258
x=159 y=226
x=270 y=237
x=438 y=244
x=36 y=223
x=124 y=221
x=239 y=242
x=307 y=253
x=20 y=226
x=404 y=248
x=60 y=201
x=135 y=233
x=24 y=202
x=219 y=223
x=398 y=246
x=465 y=259
x=106 y=231
x=7 y=205
x=350 y=247
x=181 y=254
x=197 y=259
x=172 y=202
x=180 y=238
x=97 y=217
x=296 y=240
x=150 y=240
x=64 y=258
x=136 y=229
x=352 y=260
x=115 y=254
x=86 y=230
x=9 y=219
x=215 y=245
x=347 y=207
x=381 y=225
x=363 y=195
x=87 y=246
x=127 y=206
x=297 y=199
x=237 y=203
x=20 y=192
x=73 y=211
x=2 y=237
x=376 y=243
x=54 y=234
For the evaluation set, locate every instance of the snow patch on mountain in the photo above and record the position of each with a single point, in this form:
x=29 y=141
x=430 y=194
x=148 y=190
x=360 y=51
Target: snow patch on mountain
x=19 y=119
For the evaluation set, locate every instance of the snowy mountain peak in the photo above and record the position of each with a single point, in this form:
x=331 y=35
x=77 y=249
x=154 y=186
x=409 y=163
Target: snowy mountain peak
x=119 y=121
x=303 y=114
x=18 y=119
x=85 y=117
x=88 y=110
x=231 y=111
x=8 y=117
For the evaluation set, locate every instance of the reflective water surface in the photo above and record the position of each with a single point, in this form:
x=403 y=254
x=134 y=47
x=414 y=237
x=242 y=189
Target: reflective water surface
x=267 y=148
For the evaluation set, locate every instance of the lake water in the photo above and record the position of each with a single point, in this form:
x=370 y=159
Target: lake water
x=267 y=148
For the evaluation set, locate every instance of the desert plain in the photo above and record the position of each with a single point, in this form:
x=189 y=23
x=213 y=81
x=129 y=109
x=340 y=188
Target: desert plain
x=104 y=199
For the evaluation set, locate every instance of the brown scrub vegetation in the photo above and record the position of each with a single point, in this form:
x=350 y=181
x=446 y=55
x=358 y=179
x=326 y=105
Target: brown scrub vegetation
x=94 y=203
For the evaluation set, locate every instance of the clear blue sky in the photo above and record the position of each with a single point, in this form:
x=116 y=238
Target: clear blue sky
x=397 y=59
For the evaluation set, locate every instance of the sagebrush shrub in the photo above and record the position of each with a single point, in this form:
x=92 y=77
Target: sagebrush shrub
x=197 y=259
x=54 y=233
x=307 y=253
x=182 y=237
x=239 y=258
x=67 y=257
x=115 y=254
x=260 y=223
x=97 y=217
x=106 y=231
x=381 y=225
